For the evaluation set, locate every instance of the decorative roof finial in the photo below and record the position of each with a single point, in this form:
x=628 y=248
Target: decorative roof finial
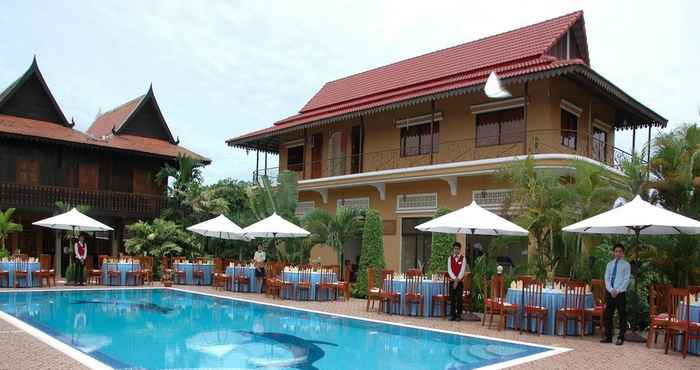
x=177 y=141
x=72 y=122
x=114 y=130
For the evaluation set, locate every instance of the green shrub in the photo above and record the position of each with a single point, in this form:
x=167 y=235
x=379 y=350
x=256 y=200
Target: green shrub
x=441 y=247
x=372 y=252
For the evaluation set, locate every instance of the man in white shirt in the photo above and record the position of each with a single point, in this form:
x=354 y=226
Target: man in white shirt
x=259 y=262
x=80 y=255
x=455 y=268
x=617 y=279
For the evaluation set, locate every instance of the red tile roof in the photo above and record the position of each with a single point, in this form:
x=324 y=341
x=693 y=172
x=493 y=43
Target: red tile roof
x=25 y=127
x=510 y=54
x=113 y=119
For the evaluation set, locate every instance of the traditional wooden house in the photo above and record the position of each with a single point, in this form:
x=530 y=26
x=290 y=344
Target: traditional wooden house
x=110 y=168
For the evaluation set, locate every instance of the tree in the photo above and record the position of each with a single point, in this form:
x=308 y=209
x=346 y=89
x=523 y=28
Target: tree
x=7 y=227
x=160 y=238
x=180 y=181
x=372 y=253
x=334 y=230
x=441 y=248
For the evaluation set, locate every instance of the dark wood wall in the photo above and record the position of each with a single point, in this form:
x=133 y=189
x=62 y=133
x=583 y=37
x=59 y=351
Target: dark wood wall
x=31 y=101
x=58 y=165
x=147 y=123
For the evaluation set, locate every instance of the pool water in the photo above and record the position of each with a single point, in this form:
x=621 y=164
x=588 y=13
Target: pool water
x=164 y=328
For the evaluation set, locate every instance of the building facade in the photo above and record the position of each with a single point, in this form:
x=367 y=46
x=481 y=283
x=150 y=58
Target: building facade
x=420 y=134
x=110 y=168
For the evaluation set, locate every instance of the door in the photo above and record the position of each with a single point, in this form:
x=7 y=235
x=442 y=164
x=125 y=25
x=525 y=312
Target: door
x=87 y=176
x=600 y=145
x=416 y=245
x=336 y=154
x=356 y=150
x=316 y=156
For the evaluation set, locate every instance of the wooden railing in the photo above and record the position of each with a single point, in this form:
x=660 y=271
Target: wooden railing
x=103 y=202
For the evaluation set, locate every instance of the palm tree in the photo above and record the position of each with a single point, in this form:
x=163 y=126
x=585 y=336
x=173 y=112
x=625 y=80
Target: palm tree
x=334 y=230
x=186 y=176
x=7 y=227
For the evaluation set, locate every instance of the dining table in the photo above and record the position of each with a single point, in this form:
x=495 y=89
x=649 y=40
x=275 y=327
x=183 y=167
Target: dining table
x=428 y=288
x=12 y=266
x=553 y=300
x=247 y=271
x=122 y=267
x=693 y=345
x=293 y=277
x=188 y=268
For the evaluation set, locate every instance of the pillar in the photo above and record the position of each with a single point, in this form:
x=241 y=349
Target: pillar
x=57 y=253
x=116 y=240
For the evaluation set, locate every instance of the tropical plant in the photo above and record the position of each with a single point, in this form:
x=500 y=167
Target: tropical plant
x=441 y=247
x=372 y=252
x=161 y=238
x=7 y=227
x=334 y=230
x=179 y=180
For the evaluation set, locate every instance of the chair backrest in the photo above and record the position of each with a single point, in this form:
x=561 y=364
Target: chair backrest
x=498 y=282
x=371 y=279
x=304 y=275
x=387 y=281
x=414 y=281
x=45 y=261
x=658 y=298
x=218 y=265
x=88 y=263
x=598 y=291
x=678 y=304
x=467 y=281
x=444 y=279
x=101 y=259
x=574 y=295
x=532 y=292
x=561 y=280
x=327 y=275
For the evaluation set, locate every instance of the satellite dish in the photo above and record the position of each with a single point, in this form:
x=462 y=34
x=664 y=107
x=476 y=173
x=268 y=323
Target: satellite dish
x=493 y=88
x=619 y=202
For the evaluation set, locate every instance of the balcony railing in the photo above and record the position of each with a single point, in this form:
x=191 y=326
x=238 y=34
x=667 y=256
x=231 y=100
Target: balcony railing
x=534 y=142
x=103 y=202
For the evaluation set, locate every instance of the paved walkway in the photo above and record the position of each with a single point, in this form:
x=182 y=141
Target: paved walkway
x=22 y=351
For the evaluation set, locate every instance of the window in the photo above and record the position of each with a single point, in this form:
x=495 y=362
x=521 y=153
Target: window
x=415 y=139
x=569 y=129
x=491 y=199
x=500 y=127
x=304 y=208
x=357 y=203
x=416 y=202
x=295 y=158
x=27 y=171
x=600 y=144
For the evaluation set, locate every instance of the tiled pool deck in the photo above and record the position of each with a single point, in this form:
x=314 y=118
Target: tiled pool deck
x=22 y=351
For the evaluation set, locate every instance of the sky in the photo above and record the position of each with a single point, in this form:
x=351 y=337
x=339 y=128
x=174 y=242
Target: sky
x=224 y=68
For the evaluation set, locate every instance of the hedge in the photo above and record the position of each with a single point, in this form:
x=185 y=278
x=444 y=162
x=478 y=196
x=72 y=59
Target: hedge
x=441 y=248
x=372 y=252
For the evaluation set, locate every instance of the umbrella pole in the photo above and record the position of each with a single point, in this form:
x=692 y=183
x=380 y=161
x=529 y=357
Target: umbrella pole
x=633 y=335
x=471 y=316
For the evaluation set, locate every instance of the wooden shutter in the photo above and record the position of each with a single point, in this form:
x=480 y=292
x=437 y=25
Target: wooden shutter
x=142 y=182
x=27 y=171
x=87 y=176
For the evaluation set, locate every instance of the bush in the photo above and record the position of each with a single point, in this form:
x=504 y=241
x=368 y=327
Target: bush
x=441 y=247
x=372 y=252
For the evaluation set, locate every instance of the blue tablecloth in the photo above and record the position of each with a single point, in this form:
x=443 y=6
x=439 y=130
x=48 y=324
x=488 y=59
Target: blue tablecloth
x=123 y=268
x=247 y=271
x=693 y=345
x=428 y=289
x=294 y=277
x=553 y=299
x=208 y=269
x=12 y=266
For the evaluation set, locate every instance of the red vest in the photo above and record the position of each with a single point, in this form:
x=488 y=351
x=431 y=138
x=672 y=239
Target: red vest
x=456 y=264
x=81 y=249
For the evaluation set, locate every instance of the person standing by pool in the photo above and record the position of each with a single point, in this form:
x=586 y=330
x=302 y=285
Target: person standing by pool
x=259 y=261
x=617 y=278
x=455 y=268
x=80 y=255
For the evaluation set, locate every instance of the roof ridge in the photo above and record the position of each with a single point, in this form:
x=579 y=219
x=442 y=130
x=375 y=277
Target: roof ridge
x=580 y=12
x=120 y=106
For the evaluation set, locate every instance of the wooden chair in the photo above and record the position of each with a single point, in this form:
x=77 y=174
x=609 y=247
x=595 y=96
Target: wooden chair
x=679 y=323
x=304 y=282
x=327 y=283
x=414 y=289
x=597 y=312
x=179 y=276
x=342 y=286
x=442 y=297
x=114 y=273
x=273 y=283
x=495 y=303
x=240 y=278
x=467 y=283
x=198 y=272
x=658 y=311
x=22 y=272
x=147 y=270
x=93 y=275
x=573 y=308
x=165 y=266
x=534 y=304
x=388 y=298
x=372 y=290
x=45 y=273
x=134 y=274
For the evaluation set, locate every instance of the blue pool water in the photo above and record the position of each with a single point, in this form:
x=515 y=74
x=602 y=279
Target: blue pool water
x=162 y=328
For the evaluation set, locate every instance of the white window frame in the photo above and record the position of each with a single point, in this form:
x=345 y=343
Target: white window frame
x=418 y=120
x=496 y=106
x=340 y=203
x=400 y=209
x=306 y=207
x=490 y=207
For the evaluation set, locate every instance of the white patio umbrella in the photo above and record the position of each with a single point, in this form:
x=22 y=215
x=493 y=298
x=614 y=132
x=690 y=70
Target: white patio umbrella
x=274 y=227
x=637 y=217
x=220 y=227
x=73 y=220
x=473 y=220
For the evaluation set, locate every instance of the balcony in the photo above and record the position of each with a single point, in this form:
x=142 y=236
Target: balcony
x=460 y=151
x=44 y=197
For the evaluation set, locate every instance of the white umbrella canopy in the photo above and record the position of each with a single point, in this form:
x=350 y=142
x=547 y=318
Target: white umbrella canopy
x=472 y=220
x=636 y=217
x=274 y=227
x=219 y=227
x=73 y=220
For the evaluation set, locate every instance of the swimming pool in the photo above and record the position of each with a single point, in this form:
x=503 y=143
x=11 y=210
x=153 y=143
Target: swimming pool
x=168 y=328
